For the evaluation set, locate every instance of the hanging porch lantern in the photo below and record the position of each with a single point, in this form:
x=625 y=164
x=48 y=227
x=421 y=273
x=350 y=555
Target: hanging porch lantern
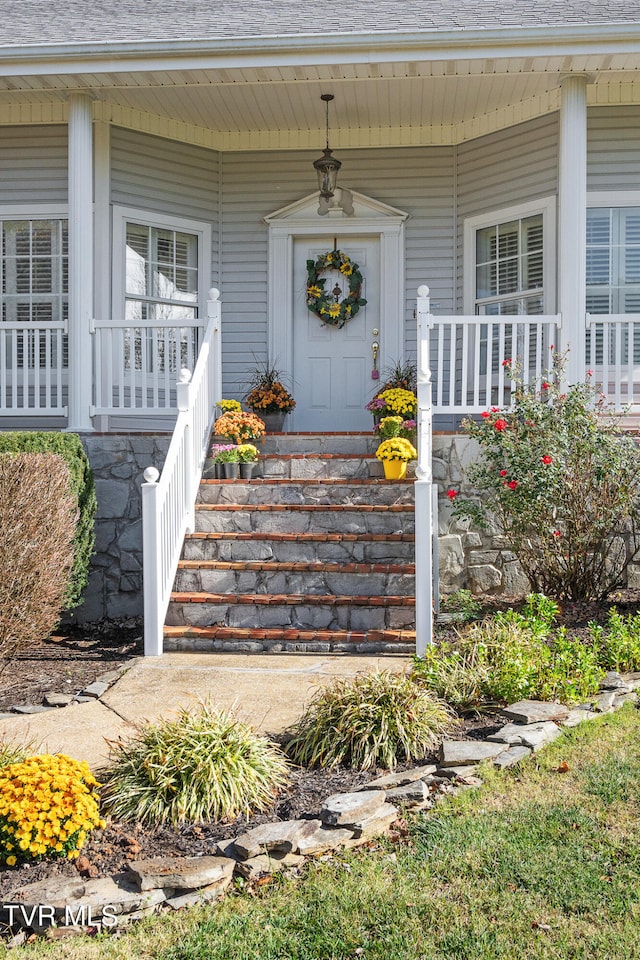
x=327 y=166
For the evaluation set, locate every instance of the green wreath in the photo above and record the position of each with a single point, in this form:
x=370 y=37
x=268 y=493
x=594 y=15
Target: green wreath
x=324 y=303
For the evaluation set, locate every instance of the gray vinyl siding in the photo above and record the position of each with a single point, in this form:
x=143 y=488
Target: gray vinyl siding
x=613 y=158
x=33 y=161
x=418 y=181
x=165 y=176
x=504 y=169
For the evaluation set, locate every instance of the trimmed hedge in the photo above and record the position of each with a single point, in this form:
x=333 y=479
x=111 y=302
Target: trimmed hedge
x=69 y=446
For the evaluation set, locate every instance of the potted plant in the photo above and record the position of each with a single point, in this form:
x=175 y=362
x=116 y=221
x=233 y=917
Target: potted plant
x=230 y=460
x=394 y=402
x=268 y=396
x=240 y=427
x=248 y=457
x=213 y=465
x=229 y=406
x=395 y=454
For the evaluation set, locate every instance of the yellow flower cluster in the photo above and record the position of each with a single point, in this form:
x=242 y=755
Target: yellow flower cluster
x=239 y=427
x=399 y=401
x=48 y=806
x=271 y=398
x=247 y=453
x=229 y=406
x=396 y=448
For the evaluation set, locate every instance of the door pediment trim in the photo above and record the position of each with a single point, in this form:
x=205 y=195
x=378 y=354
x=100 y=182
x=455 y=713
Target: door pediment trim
x=305 y=212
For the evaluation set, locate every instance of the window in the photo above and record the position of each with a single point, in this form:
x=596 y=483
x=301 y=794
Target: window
x=35 y=271
x=510 y=268
x=613 y=260
x=161 y=274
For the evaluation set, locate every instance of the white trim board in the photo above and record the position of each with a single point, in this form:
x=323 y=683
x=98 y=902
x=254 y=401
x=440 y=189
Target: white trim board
x=300 y=219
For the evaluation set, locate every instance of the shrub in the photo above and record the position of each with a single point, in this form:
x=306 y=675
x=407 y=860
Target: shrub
x=376 y=719
x=561 y=485
x=48 y=806
x=205 y=765
x=618 y=644
x=511 y=657
x=69 y=446
x=463 y=603
x=37 y=519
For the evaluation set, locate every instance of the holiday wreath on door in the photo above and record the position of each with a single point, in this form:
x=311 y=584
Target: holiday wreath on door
x=326 y=304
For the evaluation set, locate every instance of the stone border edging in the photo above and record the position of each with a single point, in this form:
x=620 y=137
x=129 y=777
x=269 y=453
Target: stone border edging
x=346 y=820
x=55 y=701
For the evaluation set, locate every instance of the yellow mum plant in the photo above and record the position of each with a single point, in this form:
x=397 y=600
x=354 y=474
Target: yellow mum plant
x=400 y=402
x=48 y=806
x=229 y=406
x=396 y=448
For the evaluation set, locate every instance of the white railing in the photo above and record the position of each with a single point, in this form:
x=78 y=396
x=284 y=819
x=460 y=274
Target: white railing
x=426 y=525
x=138 y=362
x=168 y=500
x=33 y=369
x=613 y=357
x=469 y=358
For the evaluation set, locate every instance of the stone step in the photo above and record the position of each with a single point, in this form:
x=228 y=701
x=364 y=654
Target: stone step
x=321 y=491
x=292 y=639
x=364 y=579
x=315 y=466
x=300 y=611
x=319 y=444
x=301 y=518
x=301 y=547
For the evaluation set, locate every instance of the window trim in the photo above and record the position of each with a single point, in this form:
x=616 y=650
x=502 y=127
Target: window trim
x=200 y=228
x=545 y=206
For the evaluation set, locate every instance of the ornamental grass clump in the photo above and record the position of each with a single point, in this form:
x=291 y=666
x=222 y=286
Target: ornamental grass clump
x=48 y=807
x=376 y=719
x=560 y=483
x=204 y=766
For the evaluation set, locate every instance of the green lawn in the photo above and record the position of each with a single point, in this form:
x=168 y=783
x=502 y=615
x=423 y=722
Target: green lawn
x=542 y=862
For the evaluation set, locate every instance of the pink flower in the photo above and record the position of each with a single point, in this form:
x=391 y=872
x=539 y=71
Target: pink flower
x=547 y=458
x=452 y=494
x=503 y=473
x=500 y=425
x=495 y=409
x=512 y=484
x=507 y=362
x=589 y=373
x=485 y=414
x=557 y=533
x=545 y=385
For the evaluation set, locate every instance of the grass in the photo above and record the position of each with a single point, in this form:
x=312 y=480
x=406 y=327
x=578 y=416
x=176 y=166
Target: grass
x=541 y=863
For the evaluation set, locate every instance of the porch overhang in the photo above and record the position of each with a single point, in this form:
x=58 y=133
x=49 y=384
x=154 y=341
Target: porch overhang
x=429 y=87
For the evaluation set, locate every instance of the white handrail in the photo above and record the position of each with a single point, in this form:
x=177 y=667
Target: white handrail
x=424 y=501
x=168 y=500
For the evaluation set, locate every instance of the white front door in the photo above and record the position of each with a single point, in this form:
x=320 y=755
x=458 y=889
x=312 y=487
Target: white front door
x=332 y=367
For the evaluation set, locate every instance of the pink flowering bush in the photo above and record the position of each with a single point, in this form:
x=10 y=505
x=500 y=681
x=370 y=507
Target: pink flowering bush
x=561 y=482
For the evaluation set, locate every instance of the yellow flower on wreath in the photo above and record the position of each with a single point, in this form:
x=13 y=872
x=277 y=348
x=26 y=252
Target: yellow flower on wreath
x=314 y=291
x=334 y=310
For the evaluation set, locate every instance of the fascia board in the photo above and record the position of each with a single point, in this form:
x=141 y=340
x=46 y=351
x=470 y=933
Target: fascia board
x=105 y=56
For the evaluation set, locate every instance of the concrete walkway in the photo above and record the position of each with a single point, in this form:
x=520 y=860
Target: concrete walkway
x=267 y=691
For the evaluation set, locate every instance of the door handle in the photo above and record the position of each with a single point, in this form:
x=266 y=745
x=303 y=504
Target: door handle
x=375 y=347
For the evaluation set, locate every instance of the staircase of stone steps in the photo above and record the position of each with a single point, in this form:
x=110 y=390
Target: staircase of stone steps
x=316 y=553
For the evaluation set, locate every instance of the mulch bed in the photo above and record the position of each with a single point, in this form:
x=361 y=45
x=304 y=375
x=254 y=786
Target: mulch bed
x=70 y=661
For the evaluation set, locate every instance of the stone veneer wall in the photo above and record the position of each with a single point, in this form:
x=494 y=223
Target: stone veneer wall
x=480 y=561
x=118 y=462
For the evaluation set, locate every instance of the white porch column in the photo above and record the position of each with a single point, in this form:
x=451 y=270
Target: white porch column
x=572 y=227
x=80 y=261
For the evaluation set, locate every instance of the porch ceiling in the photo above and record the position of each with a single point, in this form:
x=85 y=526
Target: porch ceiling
x=376 y=104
